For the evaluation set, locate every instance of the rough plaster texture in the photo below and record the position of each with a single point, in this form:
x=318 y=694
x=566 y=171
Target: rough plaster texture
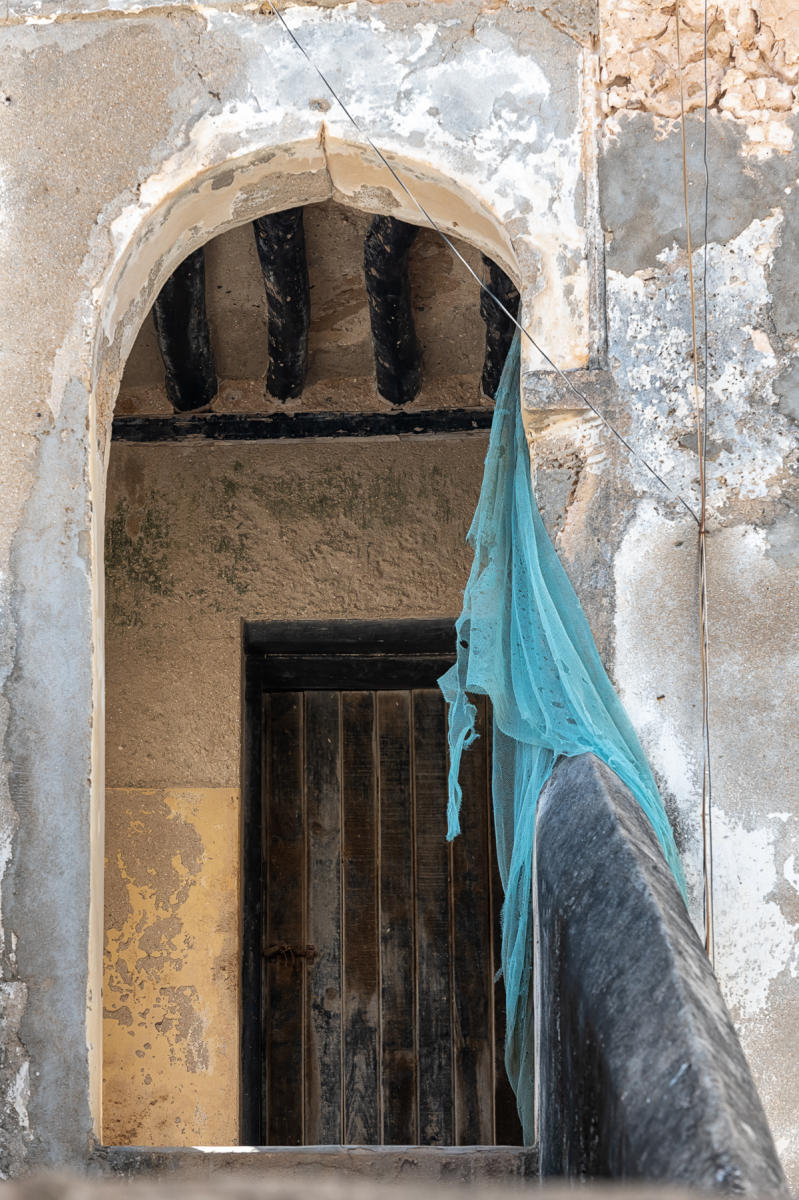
x=752 y=505
x=200 y=538
x=128 y=138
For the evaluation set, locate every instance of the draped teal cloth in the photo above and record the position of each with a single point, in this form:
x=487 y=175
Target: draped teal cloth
x=524 y=641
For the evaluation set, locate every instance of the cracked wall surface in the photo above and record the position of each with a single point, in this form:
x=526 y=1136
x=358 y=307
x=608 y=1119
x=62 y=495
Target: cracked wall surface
x=127 y=138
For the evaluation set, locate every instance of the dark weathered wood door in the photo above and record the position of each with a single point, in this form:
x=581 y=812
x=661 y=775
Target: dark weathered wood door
x=380 y=1019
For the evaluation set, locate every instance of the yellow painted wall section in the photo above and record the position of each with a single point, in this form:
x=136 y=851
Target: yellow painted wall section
x=170 y=1041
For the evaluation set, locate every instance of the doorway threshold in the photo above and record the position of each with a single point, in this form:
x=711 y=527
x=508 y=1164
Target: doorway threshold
x=455 y=1164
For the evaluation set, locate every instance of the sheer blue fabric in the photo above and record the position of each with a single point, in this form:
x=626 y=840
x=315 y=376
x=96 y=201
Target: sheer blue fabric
x=524 y=641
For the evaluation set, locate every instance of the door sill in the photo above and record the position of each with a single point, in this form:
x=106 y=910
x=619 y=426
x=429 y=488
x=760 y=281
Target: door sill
x=453 y=1163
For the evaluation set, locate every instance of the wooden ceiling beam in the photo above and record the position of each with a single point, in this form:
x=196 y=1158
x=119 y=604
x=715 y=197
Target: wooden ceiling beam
x=252 y=427
x=396 y=350
x=499 y=327
x=184 y=339
x=280 y=241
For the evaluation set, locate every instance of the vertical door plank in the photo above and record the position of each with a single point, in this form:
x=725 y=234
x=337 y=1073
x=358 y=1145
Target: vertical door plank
x=252 y=1055
x=432 y=916
x=507 y=1126
x=400 y=1122
x=361 y=970
x=472 y=960
x=323 y=1083
x=284 y=918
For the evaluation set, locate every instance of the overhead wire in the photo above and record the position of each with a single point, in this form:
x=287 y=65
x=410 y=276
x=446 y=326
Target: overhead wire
x=268 y=5
x=700 y=399
x=708 y=809
x=701 y=406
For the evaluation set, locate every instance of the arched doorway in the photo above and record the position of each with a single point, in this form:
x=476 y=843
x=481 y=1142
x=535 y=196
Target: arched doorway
x=202 y=535
x=233 y=127
x=204 y=189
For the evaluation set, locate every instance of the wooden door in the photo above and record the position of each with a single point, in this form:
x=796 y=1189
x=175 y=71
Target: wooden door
x=380 y=1022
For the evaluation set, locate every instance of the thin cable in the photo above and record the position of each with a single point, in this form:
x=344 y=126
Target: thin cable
x=701 y=436
x=708 y=812
x=581 y=396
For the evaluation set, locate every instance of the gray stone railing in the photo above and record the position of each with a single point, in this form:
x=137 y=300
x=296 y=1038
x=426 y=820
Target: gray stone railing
x=640 y=1073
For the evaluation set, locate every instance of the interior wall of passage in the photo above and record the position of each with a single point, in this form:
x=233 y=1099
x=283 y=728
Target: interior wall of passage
x=199 y=538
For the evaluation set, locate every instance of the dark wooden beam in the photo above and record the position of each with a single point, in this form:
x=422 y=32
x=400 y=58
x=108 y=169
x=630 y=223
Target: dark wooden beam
x=385 y=264
x=499 y=327
x=280 y=240
x=181 y=324
x=410 y=635
x=243 y=427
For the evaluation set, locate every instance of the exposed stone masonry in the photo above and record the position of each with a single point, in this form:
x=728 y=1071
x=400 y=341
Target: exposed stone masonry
x=753 y=62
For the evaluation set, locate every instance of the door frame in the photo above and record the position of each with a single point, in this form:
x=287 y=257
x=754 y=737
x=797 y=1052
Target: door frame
x=307 y=656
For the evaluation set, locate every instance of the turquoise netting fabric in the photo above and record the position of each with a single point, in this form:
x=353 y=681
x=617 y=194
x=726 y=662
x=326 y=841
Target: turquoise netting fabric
x=524 y=641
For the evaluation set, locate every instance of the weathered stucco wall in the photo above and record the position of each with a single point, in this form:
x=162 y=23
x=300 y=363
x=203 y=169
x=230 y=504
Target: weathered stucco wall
x=753 y=499
x=140 y=135
x=198 y=539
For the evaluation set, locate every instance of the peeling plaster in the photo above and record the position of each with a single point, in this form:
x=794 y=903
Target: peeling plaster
x=753 y=667
x=754 y=940
x=171 y=967
x=46 y=896
x=537 y=175
x=649 y=348
x=753 y=63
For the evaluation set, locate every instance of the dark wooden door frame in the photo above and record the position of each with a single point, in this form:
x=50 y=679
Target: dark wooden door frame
x=307 y=655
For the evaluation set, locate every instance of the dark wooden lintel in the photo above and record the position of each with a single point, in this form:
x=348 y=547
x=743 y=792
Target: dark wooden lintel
x=499 y=327
x=385 y=264
x=243 y=427
x=280 y=241
x=409 y=635
x=184 y=339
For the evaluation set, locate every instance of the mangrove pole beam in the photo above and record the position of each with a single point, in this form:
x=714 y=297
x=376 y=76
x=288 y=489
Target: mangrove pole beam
x=499 y=328
x=181 y=324
x=385 y=264
x=280 y=240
